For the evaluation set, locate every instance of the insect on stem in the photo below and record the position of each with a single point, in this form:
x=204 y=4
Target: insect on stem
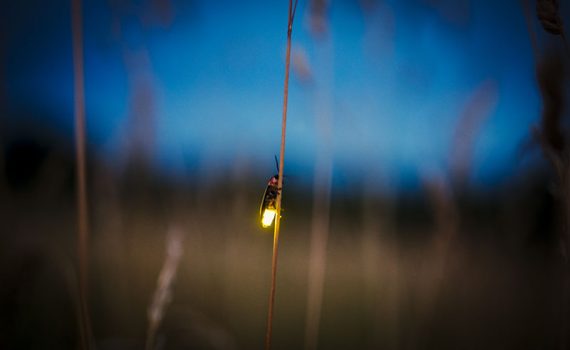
x=292 y=10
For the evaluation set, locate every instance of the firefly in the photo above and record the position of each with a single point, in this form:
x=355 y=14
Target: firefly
x=268 y=208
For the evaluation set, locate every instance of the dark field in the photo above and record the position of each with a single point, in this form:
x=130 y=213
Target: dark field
x=402 y=272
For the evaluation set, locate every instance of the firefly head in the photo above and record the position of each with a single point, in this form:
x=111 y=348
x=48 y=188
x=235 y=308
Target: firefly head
x=274 y=180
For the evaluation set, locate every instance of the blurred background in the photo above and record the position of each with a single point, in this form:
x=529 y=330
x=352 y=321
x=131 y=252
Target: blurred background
x=426 y=197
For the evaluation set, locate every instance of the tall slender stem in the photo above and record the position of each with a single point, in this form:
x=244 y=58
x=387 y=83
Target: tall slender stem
x=81 y=187
x=280 y=180
x=322 y=180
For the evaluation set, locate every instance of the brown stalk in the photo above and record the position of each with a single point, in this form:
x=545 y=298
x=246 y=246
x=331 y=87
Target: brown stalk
x=477 y=110
x=322 y=175
x=440 y=189
x=318 y=250
x=81 y=186
x=439 y=253
x=164 y=288
x=292 y=9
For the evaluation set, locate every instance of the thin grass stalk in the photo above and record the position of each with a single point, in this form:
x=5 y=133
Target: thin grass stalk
x=81 y=187
x=322 y=183
x=317 y=257
x=70 y=278
x=292 y=9
x=476 y=111
x=380 y=263
x=164 y=287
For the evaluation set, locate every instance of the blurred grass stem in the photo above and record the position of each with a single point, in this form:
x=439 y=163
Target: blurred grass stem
x=163 y=292
x=322 y=181
x=81 y=187
x=292 y=9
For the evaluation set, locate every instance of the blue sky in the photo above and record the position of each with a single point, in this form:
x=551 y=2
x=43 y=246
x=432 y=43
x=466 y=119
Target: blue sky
x=396 y=79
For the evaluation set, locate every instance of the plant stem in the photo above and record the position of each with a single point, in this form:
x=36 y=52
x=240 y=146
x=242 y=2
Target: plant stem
x=280 y=180
x=81 y=187
x=322 y=180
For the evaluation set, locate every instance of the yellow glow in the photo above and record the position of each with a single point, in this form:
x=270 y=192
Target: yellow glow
x=268 y=216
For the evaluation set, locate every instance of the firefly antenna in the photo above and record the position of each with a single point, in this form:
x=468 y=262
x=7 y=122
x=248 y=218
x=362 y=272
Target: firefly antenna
x=276 y=163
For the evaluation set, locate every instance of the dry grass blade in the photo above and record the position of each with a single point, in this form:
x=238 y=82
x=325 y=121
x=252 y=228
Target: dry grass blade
x=478 y=108
x=81 y=182
x=322 y=181
x=440 y=254
x=163 y=292
x=318 y=250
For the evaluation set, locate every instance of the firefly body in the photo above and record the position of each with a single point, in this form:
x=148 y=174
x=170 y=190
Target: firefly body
x=268 y=208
